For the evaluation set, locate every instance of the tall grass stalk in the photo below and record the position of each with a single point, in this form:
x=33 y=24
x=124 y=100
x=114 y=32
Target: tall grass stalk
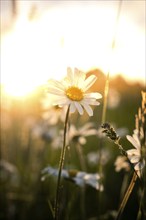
x=131 y=185
x=140 y=124
x=61 y=164
x=111 y=133
x=126 y=196
x=106 y=89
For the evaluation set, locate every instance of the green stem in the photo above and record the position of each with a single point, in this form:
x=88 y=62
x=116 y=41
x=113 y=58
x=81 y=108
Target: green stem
x=81 y=157
x=61 y=163
x=83 y=168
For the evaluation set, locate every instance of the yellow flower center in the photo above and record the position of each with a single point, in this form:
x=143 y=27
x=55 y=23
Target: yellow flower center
x=74 y=93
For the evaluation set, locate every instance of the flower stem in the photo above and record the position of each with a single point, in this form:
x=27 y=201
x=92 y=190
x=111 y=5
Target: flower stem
x=127 y=194
x=61 y=163
x=81 y=157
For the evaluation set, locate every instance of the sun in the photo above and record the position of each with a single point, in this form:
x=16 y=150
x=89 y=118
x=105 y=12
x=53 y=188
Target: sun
x=28 y=57
x=18 y=90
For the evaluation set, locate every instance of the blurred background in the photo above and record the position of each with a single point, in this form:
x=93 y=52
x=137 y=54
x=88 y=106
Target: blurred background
x=39 y=39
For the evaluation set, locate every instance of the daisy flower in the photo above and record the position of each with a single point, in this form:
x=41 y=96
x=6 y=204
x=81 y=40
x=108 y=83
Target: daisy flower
x=93 y=158
x=134 y=155
x=121 y=163
x=72 y=90
x=52 y=114
x=79 y=134
x=78 y=177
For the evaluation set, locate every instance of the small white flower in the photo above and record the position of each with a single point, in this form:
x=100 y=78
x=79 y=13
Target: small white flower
x=78 y=177
x=9 y=173
x=80 y=134
x=134 y=155
x=49 y=171
x=121 y=163
x=52 y=114
x=83 y=178
x=93 y=157
x=72 y=91
x=49 y=134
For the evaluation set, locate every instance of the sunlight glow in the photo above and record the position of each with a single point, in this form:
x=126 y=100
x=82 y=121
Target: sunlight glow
x=35 y=51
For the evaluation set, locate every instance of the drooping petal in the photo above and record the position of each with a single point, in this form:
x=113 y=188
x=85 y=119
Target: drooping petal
x=79 y=108
x=72 y=107
x=135 y=159
x=133 y=155
x=89 y=82
x=87 y=108
x=139 y=165
x=133 y=152
x=91 y=101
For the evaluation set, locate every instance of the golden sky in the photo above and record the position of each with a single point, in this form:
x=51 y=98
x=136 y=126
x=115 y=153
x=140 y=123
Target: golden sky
x=48 y=36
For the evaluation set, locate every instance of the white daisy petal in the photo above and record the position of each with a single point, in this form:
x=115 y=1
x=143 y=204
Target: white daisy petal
x=89 y=82
x=133 y=141
x=67 y=82
x=95 y=95
x=88 y=108
x=137 y=166
x=72 y=107
x=60 y=101
x=79 y=107
x=55 y=91
x=70 y=75
x=79 y=77
x=135 y=136
x=132 y=152
x=135 y=159
x=91 y=101
x=56 y=84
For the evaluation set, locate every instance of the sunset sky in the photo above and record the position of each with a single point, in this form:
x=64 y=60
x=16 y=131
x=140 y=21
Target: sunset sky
x=48 y=36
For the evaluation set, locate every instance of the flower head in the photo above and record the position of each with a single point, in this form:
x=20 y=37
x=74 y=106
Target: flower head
x=134 y=155
x=52 y=114
x=121 y=163
x=93 y=158
x=79 y=134
x=78 y=177
x=72 y=90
